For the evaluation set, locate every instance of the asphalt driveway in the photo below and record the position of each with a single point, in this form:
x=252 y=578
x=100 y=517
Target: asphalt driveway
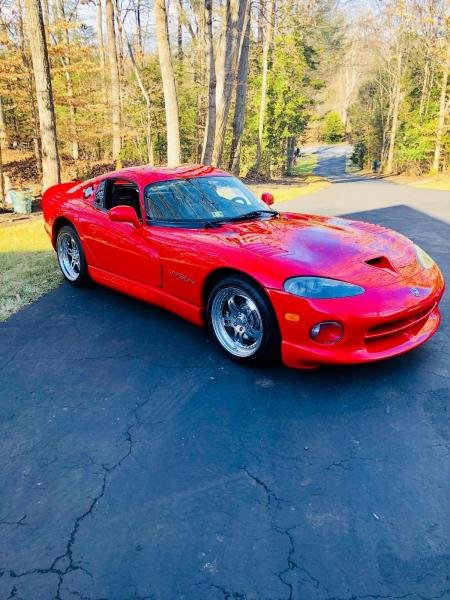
x=138 y=462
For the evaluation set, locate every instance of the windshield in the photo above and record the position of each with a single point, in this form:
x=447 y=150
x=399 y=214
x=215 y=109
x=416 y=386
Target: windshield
x=203 y=199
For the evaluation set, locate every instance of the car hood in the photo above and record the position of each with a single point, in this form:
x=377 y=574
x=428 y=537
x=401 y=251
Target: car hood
x=354 y=251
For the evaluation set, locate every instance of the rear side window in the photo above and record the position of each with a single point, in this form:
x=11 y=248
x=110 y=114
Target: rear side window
x=100 y=195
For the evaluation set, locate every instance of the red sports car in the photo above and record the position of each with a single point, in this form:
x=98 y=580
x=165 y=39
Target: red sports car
x=196 y=241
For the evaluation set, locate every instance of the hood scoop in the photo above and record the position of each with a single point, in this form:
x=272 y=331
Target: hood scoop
x=381 y=262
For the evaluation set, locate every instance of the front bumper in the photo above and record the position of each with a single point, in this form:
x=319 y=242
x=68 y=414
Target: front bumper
x=381 y=323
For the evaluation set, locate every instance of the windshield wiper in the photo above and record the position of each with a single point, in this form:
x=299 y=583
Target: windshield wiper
x=250 y=215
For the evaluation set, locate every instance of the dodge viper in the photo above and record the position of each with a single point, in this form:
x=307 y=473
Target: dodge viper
x=196 y=241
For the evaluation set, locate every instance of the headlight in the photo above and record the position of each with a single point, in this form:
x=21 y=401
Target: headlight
x=321 y=287
x=425 y=259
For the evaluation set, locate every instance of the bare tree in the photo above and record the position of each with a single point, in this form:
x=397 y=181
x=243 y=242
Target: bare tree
x=46 y=12
x=140 y=43
x=267 y=41
x=44 y=95
x=3 y=134
x=395 y=107
x=26 y=61
x=115 y=83
x=140 y=83
x=180 y=31
x=169 y=88
x=226 y=67
x=184 y=19
x=101 y=45
x=210 y=127
x=444 y=105
x=399 y=23
x=65 y=62
x=241 y=100
x=3 y=143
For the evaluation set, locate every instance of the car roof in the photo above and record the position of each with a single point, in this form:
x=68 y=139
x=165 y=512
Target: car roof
x=146 y=174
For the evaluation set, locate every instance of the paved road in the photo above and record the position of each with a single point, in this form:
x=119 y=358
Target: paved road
x=137 y=462
x=350 y=193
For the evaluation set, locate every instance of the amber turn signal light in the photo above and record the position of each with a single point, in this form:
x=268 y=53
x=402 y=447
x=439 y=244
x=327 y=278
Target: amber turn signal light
x=292 y=317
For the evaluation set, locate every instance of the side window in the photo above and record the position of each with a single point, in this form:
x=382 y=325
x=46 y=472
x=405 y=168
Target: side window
x=121 y=192
x=99 y=199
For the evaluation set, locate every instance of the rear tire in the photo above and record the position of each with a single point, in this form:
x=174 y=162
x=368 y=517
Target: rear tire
x=243 y=322
x=71 y=259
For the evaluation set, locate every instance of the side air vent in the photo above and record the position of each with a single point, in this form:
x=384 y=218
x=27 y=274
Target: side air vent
x=382 y=263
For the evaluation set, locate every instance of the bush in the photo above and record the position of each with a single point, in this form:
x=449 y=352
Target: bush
x=333 y=129
x=359 y=155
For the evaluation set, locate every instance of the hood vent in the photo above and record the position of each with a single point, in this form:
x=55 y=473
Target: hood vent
x=382 y=263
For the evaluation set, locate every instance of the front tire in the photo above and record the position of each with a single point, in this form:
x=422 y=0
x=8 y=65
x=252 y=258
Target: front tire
x=242 y=321
x=71 y=259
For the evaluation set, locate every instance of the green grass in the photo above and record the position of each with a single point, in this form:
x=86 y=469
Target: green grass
x=28 y=266
x=305 y=165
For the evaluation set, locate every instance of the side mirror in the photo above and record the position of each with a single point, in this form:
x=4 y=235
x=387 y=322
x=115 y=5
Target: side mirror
x=124 y=214
x=267 y=198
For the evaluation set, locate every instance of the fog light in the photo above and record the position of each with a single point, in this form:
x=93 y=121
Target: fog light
x=327 y=332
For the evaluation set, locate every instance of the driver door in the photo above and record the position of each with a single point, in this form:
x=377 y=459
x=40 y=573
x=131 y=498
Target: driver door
x=120 y=248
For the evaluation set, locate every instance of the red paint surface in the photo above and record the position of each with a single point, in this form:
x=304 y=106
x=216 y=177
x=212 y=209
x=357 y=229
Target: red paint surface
x=170 y=267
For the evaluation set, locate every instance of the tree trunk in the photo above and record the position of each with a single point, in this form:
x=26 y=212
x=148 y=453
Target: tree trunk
x=180 y=33
x=185 y=20
x=210 y=127
x=3 y=134
x=100 y=42
x=120 y=64
x=261 y=16
x=31 y=92
x=115 y=84
x=226 y=67
x=395 y=112
x=140 y=44
x=241 y=101
x=290 y=149
x=44 y=95
x=350 y=83
x=65 y=62
x=424 y=87
x=443 y=113
x=200 y=79
x=2 y=181
x=169 y=88
x=144 y=92
x=267 y=41
x=3 y=144
x=46 y=12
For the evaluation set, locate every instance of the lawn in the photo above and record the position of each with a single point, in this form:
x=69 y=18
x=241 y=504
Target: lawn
x=305 y=164
x=28 y=266
x=302 y=182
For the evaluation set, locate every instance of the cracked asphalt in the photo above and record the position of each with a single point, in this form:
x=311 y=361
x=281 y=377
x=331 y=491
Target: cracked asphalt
x=138 y=462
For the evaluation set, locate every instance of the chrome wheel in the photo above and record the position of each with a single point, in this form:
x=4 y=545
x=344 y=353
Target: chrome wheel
x=236 y=321
x=69 y=256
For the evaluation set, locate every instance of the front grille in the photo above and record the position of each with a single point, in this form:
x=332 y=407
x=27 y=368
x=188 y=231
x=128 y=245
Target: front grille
x=398 y=325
